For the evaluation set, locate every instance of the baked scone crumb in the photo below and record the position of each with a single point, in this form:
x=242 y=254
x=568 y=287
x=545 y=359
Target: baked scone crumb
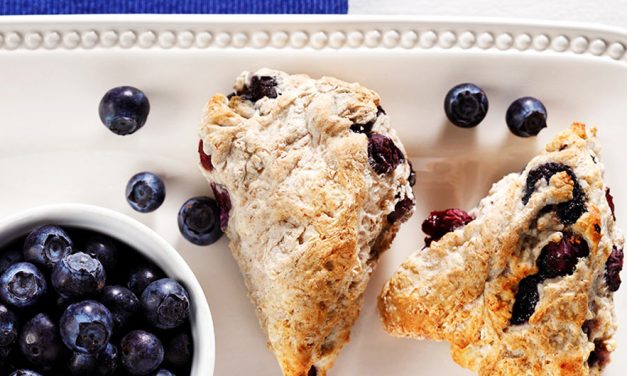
x=526 y=287
x=313 y=185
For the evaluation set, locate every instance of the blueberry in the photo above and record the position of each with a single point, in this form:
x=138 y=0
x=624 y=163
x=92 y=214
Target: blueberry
x=81 y=364
x=124 y=110
x=86 y=326
x=568 y=212
x=46 y=245
x=22 y=285
x=224 y=203
x=104 y=363
x=163 y=372
x=401 y=210
x=178 y=350
x=366 y=128
x=613 y=266
x=439 y=223
x=103 y=249
x=526 y=299
x=560 y=258
x=122 y=304
x=145 y=192
x=600 y=356
x=205 y=159
x=165 y=303
x=610 y=201
x=108 y=360
x=10 y=257
x=199 y=220
x=383 y=155
x=141 y=276
x=8 y=326
x=411 y=179
x=5 y=353
x=39 y=342
x=78 y=276
x=142 y=352
x=466 y=105
x=25 y=372
x=526 y=117
x=259 y=87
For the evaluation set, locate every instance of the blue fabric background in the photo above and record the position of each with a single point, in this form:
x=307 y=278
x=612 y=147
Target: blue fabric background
x=21 y=7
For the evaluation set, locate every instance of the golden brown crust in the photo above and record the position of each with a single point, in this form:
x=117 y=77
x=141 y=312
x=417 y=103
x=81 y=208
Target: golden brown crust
x=309 y=216
x=462 y=288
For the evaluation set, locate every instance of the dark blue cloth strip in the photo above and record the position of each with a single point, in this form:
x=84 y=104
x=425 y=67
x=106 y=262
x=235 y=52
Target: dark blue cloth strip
x=23 y=7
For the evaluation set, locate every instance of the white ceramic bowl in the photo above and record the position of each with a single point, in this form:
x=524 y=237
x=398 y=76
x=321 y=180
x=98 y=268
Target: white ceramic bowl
x=145 y=241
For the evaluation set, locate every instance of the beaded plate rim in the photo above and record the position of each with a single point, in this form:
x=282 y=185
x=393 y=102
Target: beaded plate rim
x=308 y=32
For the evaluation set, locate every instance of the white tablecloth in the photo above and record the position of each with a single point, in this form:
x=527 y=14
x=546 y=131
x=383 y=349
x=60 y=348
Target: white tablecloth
x=607 y=12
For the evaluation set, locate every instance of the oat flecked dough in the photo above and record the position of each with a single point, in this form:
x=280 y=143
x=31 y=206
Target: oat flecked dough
x=311 y=208
x=464 y=287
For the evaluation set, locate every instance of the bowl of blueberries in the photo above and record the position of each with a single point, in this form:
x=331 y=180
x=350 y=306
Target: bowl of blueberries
x=89 y=291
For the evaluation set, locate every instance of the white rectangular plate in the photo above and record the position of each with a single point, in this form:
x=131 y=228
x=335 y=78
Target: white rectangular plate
x=53 y=72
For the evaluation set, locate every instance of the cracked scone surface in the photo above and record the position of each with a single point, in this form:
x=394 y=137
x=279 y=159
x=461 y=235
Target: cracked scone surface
x=318 y=186
x=504 y=289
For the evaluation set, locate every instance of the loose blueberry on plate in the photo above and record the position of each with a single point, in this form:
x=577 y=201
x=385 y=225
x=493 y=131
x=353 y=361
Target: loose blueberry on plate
x=104 y=249
x=122 y=304
x=526 y=117
x=22 y=285
x=124 y=110
x=141 y=276
x=104 y=363
x=78 y=276
x=39 y=342
x=86 y=327
x=142 y=352
x=178 y=350
x=466 y=105
x=165 y=303
x=46 y=245
x=145 y=192
x=8 y=326
x=199 y=220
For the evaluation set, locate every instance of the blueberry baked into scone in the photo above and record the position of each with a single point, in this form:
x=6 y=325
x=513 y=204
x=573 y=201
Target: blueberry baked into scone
x=522 y=284
x=313 y=185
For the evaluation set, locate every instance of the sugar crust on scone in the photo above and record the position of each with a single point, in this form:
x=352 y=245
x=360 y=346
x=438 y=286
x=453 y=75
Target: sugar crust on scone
x=309 y=215
x=462 y=288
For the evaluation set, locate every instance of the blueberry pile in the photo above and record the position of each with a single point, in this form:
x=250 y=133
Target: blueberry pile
x=74 y=302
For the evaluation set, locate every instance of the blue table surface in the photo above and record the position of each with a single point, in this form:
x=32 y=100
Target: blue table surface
x=24 y=7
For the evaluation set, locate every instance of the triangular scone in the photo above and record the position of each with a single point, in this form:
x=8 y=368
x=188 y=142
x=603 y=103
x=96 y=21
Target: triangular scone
x=313 y=184
x=526 y=287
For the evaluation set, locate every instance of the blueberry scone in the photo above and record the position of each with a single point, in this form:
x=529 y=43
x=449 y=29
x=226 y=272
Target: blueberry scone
x=523 y=283
x=312 y=184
